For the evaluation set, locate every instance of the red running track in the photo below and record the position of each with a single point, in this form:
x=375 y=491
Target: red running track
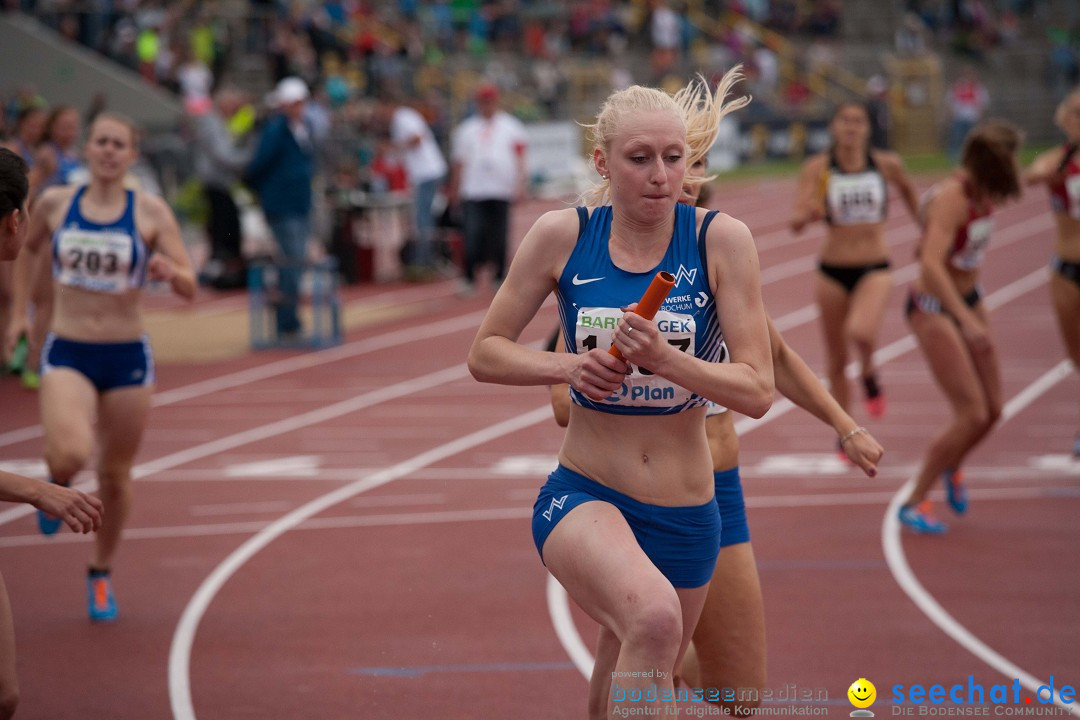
x=345 y=534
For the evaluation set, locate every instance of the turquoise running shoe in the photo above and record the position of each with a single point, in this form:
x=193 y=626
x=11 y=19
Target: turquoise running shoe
x=919 y=519
x=955 y=491
x=100 y=599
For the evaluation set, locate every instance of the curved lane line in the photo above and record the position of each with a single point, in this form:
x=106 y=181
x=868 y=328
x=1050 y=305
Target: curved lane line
x=905 y=577
x=183 y=638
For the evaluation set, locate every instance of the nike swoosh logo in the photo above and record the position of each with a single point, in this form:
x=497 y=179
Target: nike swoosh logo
x=578 y=281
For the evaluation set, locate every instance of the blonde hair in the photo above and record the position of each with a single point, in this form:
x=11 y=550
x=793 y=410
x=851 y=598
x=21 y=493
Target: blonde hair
x=699 y=109
x=702 y=112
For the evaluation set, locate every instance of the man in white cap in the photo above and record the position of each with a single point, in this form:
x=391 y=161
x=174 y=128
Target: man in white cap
x=281 y=172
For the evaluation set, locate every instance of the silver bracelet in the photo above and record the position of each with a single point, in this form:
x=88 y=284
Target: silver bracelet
x=852 y=434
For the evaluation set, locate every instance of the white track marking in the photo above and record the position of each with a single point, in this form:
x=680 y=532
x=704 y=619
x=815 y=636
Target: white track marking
x=274 y=429
x=292 y=364
x=559 y=609
x=519 y=511
x=1003 y=237
x=184 y=636
x=905 y=577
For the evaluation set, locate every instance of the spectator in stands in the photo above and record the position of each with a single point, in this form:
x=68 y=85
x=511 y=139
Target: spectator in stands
x=665 y=29
x=967 y=101
x=281 y=173
x=1064 y=62
x=910 y=36
x=424 y=163
x=220 y=157
x=877 y=106
x=487 y=174
x=767 y=67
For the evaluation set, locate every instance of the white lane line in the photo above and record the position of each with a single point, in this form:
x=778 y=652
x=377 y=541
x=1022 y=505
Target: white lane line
x=1043 y=467
x=566 y=629
x=927 y=603
x=1005 y=236
x=519 y=511
x=184 y=636
x=247 y=508
x=274 y=429
x=783 y=406
x=287 y=365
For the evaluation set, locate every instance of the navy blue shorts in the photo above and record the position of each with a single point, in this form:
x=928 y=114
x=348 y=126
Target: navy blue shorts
x=732 y=506
x=107 y=366
x=682 y=541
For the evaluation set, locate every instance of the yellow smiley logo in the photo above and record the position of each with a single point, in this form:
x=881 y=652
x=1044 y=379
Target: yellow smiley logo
x=862 y=693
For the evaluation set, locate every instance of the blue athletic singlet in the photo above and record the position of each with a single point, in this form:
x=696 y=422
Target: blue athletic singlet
x=108 y=258
x=592 y=290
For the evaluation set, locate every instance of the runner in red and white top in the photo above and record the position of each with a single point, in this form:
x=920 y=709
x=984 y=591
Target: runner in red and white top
x=947 y=315
x=1059 y=169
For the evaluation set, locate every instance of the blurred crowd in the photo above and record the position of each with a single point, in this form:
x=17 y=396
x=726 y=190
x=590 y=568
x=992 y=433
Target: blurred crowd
x=359 y=47
x=974 y=29
x=354 y=56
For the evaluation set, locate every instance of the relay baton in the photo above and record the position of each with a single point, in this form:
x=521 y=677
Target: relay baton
x=651 y=301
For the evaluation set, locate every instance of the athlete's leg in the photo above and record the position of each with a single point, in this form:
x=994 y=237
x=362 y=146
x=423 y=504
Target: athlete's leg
x=594 y=555
x=834 y=302
x=1066 y=297
x=607 y=655
x=121 y=421
x=729 y=640
x=9 y=680
x=68 y=406
x=868 y=303
x=955 y=372
x=988 y=368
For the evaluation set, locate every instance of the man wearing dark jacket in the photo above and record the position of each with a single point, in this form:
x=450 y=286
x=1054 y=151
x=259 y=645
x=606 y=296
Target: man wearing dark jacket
x=281 y=173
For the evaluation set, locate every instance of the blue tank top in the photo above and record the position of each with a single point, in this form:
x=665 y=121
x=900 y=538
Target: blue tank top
x=101 y=257
x=592 y=289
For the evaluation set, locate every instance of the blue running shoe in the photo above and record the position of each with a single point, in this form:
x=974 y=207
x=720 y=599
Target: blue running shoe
x=955 y=491
x=100 y=599
x=919 y=519
x=1076 y=447
x=48 y=524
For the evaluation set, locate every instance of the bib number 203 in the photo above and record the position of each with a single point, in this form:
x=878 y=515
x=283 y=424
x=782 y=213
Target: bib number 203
x=94 y=262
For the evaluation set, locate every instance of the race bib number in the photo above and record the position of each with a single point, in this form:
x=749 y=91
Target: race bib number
x=94 y=260
x=1072 y=189
x=856 y=199
x=971 y=256
x=641 y=388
